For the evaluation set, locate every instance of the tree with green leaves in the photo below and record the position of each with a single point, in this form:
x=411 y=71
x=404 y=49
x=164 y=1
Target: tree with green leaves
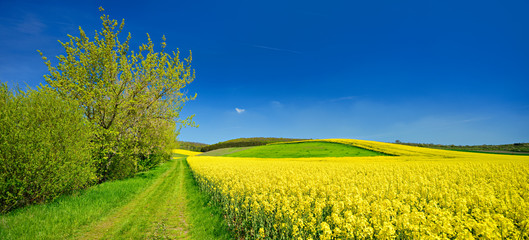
x=133 y=99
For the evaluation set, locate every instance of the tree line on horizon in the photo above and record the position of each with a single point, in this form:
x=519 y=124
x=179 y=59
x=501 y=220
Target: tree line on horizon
x=105 y=113
x=238 y=142
x=514 y=148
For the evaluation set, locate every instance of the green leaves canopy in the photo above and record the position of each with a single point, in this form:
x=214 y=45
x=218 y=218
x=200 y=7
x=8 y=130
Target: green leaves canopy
x=133 y=98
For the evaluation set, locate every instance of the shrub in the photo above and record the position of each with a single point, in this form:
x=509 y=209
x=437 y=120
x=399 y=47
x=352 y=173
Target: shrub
x=44 y=147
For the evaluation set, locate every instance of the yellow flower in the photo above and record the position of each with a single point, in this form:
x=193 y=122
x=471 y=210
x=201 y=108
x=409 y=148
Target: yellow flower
x=419 y=193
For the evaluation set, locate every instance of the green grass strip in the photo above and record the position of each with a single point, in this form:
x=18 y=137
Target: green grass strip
x=305 y=149
x=224 y=151
x=164 y=203
x=65 y=216
x=206 y=221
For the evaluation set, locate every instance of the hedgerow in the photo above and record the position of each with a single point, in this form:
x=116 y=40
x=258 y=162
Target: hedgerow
x=44 y=147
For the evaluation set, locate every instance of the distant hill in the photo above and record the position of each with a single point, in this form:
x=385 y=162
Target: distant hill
x=515 y=148
x=246 y=142
x=191 y=146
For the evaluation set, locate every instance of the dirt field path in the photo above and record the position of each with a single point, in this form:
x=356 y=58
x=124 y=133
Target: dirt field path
x=156 y=213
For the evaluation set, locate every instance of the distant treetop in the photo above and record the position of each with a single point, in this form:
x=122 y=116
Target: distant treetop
x=247 y=142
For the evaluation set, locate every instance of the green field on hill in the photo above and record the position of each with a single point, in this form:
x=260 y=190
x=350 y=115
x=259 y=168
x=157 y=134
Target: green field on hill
x=304 y=149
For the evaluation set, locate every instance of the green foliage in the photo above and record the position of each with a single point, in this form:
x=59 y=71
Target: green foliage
x=44 y=147
x=133 y=99
x=246 y=142
x=148 y=162
x=305 y=149
x=191 y=146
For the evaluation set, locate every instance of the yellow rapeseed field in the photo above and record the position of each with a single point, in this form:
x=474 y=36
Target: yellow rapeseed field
x=185 y=152
x=418 y=193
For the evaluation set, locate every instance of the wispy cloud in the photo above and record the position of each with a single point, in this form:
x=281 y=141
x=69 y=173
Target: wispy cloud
x=240 y=110
x=276 y=104
x=473 y=120
x=340 y=99
x=275 y=49
x=28 y=23
x=343 y=99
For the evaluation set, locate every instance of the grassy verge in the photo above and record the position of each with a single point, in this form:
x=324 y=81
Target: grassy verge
x=305 y=149
x=65 y=217
x=206 y=221
x=164 y=203
x=156 y=212
x=171 y=208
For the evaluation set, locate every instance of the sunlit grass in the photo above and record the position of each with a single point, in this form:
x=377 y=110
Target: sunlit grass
x=305 y=149
x=65 y=217
x=164 y=202
x=205 y=218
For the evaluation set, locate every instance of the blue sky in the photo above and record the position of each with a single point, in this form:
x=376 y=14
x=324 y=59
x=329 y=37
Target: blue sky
x=449 y=72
